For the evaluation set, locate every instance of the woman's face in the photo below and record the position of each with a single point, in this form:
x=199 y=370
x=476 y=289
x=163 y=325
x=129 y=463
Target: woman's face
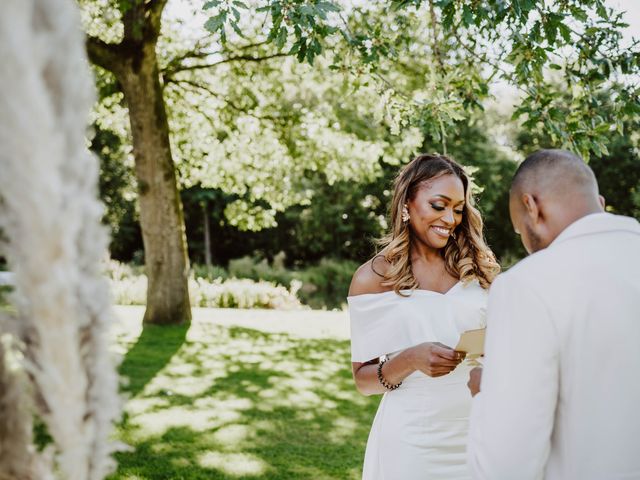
x=436 y=210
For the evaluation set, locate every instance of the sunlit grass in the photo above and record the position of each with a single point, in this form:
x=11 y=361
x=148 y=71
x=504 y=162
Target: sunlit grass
x=220 y=402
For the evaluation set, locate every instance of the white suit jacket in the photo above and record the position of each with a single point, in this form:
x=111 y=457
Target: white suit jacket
x=560 y=392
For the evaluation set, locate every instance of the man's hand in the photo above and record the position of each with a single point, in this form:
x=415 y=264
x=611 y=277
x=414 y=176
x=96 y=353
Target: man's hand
x=475 y=376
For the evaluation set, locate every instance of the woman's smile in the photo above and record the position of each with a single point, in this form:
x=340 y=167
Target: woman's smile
x=444 y=232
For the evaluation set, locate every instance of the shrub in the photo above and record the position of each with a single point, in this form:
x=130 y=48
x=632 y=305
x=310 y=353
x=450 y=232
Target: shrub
x=116 y=270
x=259 y=269
x=243 y=293
x=326 y=285
x=249 y=283
x=211 y=272
x=129 y=287
x=322 y=286
x=130 y=290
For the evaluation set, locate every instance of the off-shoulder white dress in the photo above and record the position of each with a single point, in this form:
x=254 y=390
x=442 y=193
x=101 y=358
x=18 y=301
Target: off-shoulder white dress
x=420 y=429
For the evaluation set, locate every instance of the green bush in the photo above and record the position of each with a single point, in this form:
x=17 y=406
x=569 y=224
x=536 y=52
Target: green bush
x=211 y=272
x=116 y=270
x=260 y=269
x=248 y=283
x=326 y=285
x=243 y=293
x=129 y=287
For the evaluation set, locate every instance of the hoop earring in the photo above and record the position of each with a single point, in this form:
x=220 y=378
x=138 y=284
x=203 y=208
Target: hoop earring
x=405 y=214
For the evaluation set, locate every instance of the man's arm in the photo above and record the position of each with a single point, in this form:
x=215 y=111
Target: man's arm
x=513 y=415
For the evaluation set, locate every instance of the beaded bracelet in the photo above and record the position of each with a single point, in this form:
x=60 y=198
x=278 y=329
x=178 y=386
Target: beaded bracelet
x=382 y=380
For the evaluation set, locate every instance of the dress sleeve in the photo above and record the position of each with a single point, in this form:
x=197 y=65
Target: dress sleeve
x=387 y=323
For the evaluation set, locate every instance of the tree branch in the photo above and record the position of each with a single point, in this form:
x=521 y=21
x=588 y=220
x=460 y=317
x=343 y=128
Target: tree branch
x=102 y=54
x=169 y=72
x=198 y=86
x=434 y=28
x=141 y=20
x=154 y=10
x=484 y=60
x=198 y=52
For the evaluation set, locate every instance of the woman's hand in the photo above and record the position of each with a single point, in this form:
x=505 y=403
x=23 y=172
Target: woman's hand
x=435 y=359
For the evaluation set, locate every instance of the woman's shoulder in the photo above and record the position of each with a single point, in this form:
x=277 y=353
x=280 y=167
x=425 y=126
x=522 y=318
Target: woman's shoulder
x=369 y=276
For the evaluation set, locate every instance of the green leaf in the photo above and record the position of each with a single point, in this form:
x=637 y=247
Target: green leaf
x=316 y=47
x=467 y=15
x=535 y=32
x=565 y=32
x=214 y=24
x=281 y=38
x=236 y=29
x=295 y=48
x=211 y=4
x=601 y=10
x=579 y=14
x=327 y=6
x=240 y=4
x=448 y=15
x=273 y=33
x=307 y=10
x=550 y=31
x=528 y=5
x=302 y=52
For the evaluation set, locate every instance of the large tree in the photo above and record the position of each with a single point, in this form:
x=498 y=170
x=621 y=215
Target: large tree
x=231 y=119
x=134 y=63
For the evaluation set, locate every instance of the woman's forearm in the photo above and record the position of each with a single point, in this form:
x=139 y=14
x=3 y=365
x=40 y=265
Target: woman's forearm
x=394 y=371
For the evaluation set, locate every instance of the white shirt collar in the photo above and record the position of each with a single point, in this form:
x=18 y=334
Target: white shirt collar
x=597 y=223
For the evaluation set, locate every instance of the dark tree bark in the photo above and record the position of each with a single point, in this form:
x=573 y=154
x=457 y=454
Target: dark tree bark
x=207 y=234
x=135 y=65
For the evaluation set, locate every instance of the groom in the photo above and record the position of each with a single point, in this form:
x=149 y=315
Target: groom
x=560 y=392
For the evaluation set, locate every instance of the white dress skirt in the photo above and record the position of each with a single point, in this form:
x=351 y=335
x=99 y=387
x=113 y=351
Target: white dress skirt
x=420 y=429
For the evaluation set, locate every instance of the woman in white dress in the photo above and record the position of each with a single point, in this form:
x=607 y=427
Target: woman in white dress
x=408 y=306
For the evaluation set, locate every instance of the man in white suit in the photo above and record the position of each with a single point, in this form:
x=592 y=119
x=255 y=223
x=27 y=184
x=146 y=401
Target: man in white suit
x=560 y=387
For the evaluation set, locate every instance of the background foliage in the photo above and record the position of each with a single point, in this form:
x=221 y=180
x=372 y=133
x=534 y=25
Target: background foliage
x=292 y=163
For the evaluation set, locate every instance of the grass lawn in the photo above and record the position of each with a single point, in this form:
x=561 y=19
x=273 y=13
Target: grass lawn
x=219 y=401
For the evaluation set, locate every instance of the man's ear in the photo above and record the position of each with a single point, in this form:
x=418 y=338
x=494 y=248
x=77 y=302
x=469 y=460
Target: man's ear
x=603 y=202
x=531 y=207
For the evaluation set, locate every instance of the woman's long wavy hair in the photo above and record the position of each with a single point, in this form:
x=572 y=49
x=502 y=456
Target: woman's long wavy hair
x=467 y=257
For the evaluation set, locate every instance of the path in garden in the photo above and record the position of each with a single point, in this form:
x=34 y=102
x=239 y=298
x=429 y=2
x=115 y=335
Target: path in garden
x=299 y=323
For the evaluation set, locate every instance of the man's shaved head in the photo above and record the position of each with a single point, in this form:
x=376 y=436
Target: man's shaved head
x=550 y=190
x=554 y=172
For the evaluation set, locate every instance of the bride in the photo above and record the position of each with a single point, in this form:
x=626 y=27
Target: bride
x=408 y=306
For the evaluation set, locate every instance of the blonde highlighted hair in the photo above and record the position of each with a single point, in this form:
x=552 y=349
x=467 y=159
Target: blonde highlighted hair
x=467 y=257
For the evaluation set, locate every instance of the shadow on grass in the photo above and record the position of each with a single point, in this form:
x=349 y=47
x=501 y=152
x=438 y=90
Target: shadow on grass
x=239 y=403
x=153 y=350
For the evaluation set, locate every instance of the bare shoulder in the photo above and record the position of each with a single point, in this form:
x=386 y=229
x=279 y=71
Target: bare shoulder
x=368 y=277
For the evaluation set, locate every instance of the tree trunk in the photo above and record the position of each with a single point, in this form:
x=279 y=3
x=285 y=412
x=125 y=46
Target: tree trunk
x=161 y=218
x=207 y=235
x=135 y=65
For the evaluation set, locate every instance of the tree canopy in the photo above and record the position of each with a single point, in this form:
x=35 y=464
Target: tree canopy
x=275 y=108
x=471 y=44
